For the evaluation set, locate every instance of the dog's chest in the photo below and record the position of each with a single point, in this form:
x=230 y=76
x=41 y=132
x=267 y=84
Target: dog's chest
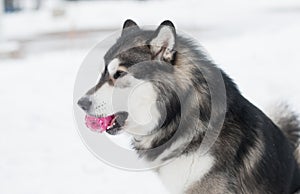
x=181 y=173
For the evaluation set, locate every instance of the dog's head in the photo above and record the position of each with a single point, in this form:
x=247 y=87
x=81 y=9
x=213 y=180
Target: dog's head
x=136 y=91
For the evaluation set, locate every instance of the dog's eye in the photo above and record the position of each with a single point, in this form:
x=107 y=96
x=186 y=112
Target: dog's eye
x=119 y=74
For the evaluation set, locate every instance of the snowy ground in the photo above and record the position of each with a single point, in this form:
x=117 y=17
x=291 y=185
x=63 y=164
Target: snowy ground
x=256 y=43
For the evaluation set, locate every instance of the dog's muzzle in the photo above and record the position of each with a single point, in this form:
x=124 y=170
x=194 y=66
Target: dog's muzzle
x=84 y=103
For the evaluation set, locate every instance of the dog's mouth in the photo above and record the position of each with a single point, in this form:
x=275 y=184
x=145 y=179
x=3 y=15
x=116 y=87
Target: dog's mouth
x=112 y=124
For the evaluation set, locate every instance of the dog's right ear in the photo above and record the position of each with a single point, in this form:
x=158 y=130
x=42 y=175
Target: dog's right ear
x=129 y=25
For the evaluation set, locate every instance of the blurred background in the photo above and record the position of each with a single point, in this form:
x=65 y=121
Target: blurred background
x=43 y=42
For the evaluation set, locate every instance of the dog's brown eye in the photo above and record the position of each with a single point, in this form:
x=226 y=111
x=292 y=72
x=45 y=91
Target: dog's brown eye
x=119 y=74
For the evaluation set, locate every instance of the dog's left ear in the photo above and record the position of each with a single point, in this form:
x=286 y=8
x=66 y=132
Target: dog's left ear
x=163 y=42
x=129 y=25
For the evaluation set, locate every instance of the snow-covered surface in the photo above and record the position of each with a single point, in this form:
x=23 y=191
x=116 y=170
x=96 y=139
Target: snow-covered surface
x=191 y=14
x=7 y=47
x=255 y=42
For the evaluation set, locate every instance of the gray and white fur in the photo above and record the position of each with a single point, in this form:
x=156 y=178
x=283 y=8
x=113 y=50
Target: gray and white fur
x=168 y=111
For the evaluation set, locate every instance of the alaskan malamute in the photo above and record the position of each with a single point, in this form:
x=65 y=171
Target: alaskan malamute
x=168 y=86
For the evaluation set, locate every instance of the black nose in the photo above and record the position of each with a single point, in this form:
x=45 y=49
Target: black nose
x=84 y=103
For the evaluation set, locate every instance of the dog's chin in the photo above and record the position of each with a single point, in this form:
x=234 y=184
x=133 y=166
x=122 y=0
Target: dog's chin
x=115 y=130
x=119 y=123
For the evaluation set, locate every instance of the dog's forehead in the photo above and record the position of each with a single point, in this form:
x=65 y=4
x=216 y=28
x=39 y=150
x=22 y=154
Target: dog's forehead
x=128 y=46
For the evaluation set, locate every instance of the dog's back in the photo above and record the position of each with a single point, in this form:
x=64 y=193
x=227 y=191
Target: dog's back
x=261 y=161
x=289 y=124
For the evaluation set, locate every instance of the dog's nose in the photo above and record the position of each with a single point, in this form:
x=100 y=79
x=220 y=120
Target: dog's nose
x=84 y=103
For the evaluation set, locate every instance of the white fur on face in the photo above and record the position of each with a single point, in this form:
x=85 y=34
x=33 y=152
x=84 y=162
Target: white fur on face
x=137 y=97
x=143 y=110
x=112 y=67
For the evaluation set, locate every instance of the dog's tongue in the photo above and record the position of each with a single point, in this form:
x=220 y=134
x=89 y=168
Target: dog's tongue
x=98 y=124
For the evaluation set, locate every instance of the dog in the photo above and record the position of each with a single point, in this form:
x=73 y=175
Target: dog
x=171 y=87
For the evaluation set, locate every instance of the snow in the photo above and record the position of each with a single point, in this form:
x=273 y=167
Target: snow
x=108 y=14
x=9 y=47
x=256 y=42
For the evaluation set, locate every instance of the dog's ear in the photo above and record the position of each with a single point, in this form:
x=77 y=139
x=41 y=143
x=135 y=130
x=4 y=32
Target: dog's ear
x=129 y=25
x=163 y=42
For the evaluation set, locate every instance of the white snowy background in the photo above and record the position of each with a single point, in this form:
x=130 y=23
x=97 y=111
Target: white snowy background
x=256 y=42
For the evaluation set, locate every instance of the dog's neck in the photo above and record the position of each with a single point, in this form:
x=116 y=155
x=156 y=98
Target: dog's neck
x=167 y=143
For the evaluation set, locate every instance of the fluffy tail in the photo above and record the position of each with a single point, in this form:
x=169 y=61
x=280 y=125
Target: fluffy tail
x=288 y=121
